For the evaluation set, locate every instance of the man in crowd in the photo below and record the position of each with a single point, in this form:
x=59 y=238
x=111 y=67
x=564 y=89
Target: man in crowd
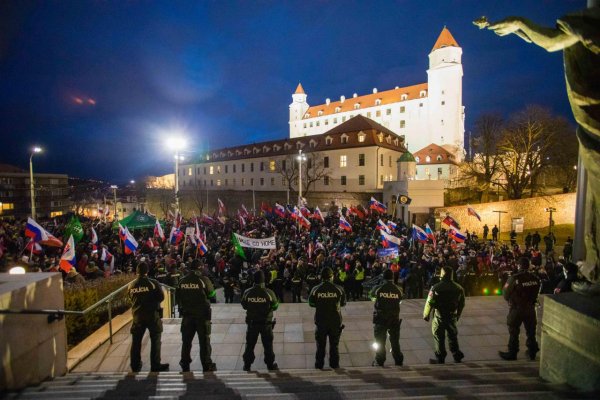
x=521 y=291
x=193 y=295
x=146 y=295
x=447 y=300
x=259 y=303
x=386 y=318
x=328 y=299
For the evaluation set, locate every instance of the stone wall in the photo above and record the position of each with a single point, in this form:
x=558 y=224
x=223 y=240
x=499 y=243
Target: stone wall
x=532 y=210
x=32 y=350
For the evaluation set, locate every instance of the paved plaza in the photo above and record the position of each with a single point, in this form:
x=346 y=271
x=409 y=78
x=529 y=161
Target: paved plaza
x=482 y=332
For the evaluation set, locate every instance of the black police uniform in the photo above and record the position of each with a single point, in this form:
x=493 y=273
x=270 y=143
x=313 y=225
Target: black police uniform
x=328 y=299
x=296 y=288
x=259 y=303
x=447 y=298
x=228 y=287
x=146 y=296
x=386 y=320
x=193 y=295
x=521 y=291
x=311 y=281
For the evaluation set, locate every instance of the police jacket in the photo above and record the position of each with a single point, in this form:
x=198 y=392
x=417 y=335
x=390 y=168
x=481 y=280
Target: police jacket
x=193 y=294
x=328 y=299
x=521 y=289
x=145 y=295
x=447 y=298
x=259 y=303
x=387 y=298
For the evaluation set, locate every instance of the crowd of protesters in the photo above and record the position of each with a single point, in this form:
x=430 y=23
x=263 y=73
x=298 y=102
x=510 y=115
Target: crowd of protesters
x=293 y=268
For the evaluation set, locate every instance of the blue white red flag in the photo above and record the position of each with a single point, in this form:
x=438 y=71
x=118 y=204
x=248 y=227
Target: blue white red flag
x=345 y=225
x=222 y=209
x=201 y=247
x=302 y=220
x=122 y=234
x=175 y=236
x=430 y=234
x=131 y=244
x=244 y=212
x=389 y=240
x=158 y=231
x=392 y=225
x=67 y=260
x=33 y=247
x=377 y=206
x=94 y=240
x=207 y=219
x=178 y=219
x=38 y=234
x=318 y=214
x=108 y=259
x=471 y=211
x=279 y=210
x=457 y=236
x=451 y=222
x=419 y=234
x=382 y=227
x=305 y=211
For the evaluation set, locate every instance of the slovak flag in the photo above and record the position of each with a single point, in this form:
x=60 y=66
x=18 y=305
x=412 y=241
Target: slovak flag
x=158 y=231
x=458 y=236
x=392 y=225
x=197 y=232
x=383 y=227
x=108 y=258
x=207 y=219
x=94 y=240
x=201 y=247
x=419 y=234
x=305 y=211
x=122 y=233
x=279 y=210
x=318 y=214
x=33 y=247
x=430 y=234
x=221 y=207
x=38 y=234
x=377 y=206
x=471 y=211
x=67 y=260
x=451 y=222
x=178 y=220
x=131 y=244
x=345 y=225
x=302 y=220
x=242 y=221
x=175 y=236
x=388 y=240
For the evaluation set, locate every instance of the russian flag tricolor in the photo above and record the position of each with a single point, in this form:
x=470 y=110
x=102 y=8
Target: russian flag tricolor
x=67 y=260
x=419 y=234
x=34 y=231
x=345 y=225
x=377 y=206
x=131 y=244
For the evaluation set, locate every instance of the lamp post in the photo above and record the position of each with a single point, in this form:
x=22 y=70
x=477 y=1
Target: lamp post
x=114 y=188
x=35 y=150
x=300 y=157
x=550 y=222
x=177 y=144
x=499 y=219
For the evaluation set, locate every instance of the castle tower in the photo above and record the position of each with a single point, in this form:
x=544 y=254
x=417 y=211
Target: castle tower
x=446 y=110
x=407 y=167
x=298 y=108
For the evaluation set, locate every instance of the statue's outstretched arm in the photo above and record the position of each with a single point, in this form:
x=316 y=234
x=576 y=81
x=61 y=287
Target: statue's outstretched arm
x=551 y=39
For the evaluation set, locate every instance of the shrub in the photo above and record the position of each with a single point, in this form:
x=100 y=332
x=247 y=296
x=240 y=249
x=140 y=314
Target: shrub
x=80 y=297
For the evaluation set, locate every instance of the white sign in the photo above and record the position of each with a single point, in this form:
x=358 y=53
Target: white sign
x=189 y=231
x=266 y=244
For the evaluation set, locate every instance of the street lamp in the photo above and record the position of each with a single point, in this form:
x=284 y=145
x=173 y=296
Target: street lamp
x=176 y=143
x=35 y=150
x=114 y=188
x=550 y=222
x=300 y=157
x=499 y=219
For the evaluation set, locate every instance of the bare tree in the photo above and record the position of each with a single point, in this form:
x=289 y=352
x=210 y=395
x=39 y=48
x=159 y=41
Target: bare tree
x=197 y=198
x=313 y=171
x=563 y=157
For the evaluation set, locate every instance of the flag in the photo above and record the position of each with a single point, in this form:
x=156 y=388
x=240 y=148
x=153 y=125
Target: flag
x=382 y=227
x=67 y=260
x=108 y=259
x=430 y=234
x=131 y=244
x=94 y=240
x=318 y=214
x=158 y=231
x=242 y=221
x=221 y=208
x=74 y=228
x=178 y=219
x=32 y=247
x=457 y=236
x=451 y=222
x=303 y=221
x=359 y=213
x=170 y=215
x=237 y=246
x=389 y=240
x=175 y=236
x=377 y=206
x=419 y=234
x=266 y=208
x=305 y=211
x=392 y=225
x=201 y=247
x=244 y=212
x=100 y=210
x=279 y=210
x=471 y=211
x=122 y=234
x=207 y=219
x=345 y=225
x=197 y=232
x=38 y=234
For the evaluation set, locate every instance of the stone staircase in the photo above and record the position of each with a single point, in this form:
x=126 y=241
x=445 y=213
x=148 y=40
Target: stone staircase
x=470 y=380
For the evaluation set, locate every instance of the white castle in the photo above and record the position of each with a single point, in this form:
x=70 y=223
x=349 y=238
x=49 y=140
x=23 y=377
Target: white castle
x=424 y=113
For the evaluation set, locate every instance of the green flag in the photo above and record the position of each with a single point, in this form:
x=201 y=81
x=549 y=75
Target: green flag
x=238 y=248
x=74 y=228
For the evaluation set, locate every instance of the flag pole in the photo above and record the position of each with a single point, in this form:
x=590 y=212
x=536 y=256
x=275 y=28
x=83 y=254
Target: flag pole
x=184 y=243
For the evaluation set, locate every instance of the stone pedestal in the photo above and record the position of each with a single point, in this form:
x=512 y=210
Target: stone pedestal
x=31 y=349
x=571 y=341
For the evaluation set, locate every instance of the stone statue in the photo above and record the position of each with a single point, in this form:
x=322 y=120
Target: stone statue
x=578 y=36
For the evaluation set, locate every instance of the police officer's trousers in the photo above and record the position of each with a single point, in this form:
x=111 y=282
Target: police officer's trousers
x=380 y=331
x=138 y=328
x=265 y=330
x=445 y=325
x=516 y=317
x=190 y=326
x=323 y=332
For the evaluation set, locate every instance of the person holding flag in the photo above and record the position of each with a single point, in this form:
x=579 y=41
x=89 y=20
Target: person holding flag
x=67 y=260
x=158 y=231
x=377 y=206
x=345 y=225
x=318 y=214
x=94 y=240
x=130 y=244
x=38 y=234
x=382 y=227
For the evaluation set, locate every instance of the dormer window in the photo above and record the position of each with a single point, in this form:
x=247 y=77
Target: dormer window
x=396 y=142
x=439 y=158
x=256 y=150
x=320 y=113
x=266 y=149
x=313 y=143
x=356 y=106
x=238 y=152
x=344 y=138
x=246 y=151
x=380 y=137
x=328 y=140
x=404 y=97
x=417 y=159
x=299 y=145
x=338 y=109
x=208 y=157
x=388 y=140
x=423 y=93
x=276 y=147
x=378 y=102
x=287 y=146
x=427 y=159
x=361 y=137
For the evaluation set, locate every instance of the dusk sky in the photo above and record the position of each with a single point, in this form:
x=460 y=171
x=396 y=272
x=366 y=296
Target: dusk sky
x=100 y=84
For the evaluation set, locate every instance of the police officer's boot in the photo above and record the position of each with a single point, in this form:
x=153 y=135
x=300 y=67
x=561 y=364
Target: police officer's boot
x=210 y=368
x=507 y=355
x=531 y=354
x=160 y=368
x=273 y=367
x=247 y=367
x=458 y=356
x=184 y=366
x=437 y=361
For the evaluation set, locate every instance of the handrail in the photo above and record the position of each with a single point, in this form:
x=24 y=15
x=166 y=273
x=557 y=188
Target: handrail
x=54 y=315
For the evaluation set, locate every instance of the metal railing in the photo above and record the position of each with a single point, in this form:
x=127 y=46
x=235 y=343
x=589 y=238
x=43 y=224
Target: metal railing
x=55 y=315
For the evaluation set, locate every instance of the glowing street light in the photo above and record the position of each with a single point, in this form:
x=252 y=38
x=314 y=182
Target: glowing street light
x=16 y=271
x=35 y=150
x=114 y=188
x=300 y=157
x=177 y=143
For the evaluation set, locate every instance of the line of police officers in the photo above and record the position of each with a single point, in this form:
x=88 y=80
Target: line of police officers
x=446 y=301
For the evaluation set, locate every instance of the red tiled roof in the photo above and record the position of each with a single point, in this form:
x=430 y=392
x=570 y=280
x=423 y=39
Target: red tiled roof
x=433 y=151
x=444 y=40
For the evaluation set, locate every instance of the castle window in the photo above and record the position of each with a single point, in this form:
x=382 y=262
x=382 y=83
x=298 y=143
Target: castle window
x=427 y=159
x=262 y=166
x=305 y=125
x=218 y=169
x=335 y=120
x=439 y=170
x=252 y=182
x=326 y=162
x=378 y=113
x=211 y=183
x=211 y=170
x=402 y=123
x=422 y=93
x=251 y=167
x=243 y=167
x=390 y=162
x=218 y=182
x=378 y=102
x=343 y=180
x=356 y=106
x=343 y=119
x=226 y=169
x=272 y=165
x=311 y=124
x=361 y=160
x=381 y=160
x=204 y=170
x=343 y=161
x=388 y=111
x=272 y=181
x=420 y=104
x=320 y=113
x=318 y=123
x=443 y=102
x=338 y=109
x=243 y=181
x=404 y=97
x=326 y=180
x=402 y=109
x=226 y=182
x=439 y=158
x=361 y=137
x=380 y=137
x=361 y=180
x=369 y=114
x=344 y=138
x=388 y=140
x=326 y=122
x=262 y=181
x=283 y=181
x=313 y=143
x=328 y=140
x=417 y=159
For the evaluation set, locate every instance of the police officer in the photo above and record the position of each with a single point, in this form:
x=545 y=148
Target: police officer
x=297 y=288
x=521 y=291
x=328 y=299
x=146 y=295
x=193 y=295
x=386 y=318
x=311 y=280
x=228 y=286
x=259 y=303
x=447 y=298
